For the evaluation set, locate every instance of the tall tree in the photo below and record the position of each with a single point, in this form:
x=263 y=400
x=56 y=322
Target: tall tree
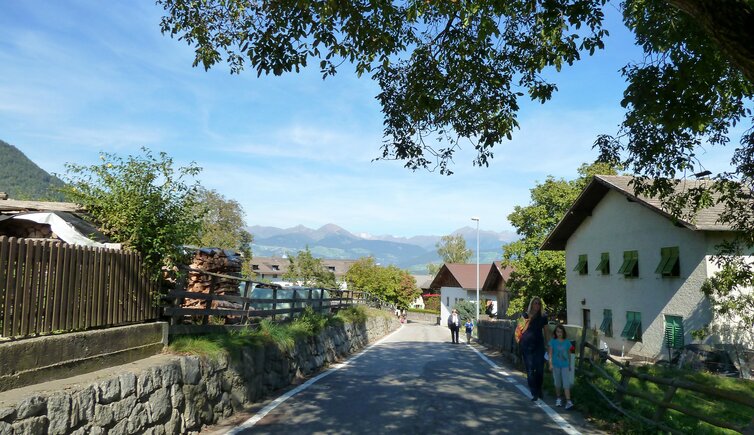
x=223 y=223
x=536 y=272
x=309 y=271
x=390 y=283
x=141 y=201
x=455 y=70
x=451 y=249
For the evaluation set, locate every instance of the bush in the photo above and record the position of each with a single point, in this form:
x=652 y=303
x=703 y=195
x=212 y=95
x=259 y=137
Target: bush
x=432 y=303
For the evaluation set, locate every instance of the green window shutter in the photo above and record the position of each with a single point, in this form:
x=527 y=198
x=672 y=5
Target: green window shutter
x=604 y=266
x=664 y=258
x=630 y=266
x=607 y=323
x=632 y=330
x=674 y=332
x=671 y=267
x=582 y=266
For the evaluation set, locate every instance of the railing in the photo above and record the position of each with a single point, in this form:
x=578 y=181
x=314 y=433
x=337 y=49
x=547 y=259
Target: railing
x=258 y=300
x=671 y=386
x=49 y=286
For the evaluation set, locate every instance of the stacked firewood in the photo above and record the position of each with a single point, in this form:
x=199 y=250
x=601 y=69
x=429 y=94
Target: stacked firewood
x=26 y=229
x=216 y=261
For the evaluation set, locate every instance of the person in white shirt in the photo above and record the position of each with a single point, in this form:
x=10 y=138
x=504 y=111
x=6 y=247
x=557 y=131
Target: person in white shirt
x=454 y=323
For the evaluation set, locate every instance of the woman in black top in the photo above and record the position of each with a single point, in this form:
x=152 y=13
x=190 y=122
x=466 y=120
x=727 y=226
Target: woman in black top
x=533 y=347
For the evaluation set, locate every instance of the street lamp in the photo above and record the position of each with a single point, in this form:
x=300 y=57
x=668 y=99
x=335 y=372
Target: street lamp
x=477 y=267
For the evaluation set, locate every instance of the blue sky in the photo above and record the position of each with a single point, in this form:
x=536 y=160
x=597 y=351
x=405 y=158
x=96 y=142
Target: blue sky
x=77 y=78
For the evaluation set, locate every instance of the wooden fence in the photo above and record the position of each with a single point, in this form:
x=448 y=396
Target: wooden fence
x=258 y=300
x=591 y=370
x=49 y=286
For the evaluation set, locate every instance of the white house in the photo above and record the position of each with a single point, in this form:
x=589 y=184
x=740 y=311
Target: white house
x=456 y=282
x=633 y=270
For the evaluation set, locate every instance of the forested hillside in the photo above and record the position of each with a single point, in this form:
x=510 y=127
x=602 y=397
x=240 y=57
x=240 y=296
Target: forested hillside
x=21 y=178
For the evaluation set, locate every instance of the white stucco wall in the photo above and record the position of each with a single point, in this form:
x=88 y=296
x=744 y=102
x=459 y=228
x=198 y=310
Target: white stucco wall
x=449 y=296
x=617 y=225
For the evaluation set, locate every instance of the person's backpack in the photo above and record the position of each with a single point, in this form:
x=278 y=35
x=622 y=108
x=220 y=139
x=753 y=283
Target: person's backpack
x=520 y=329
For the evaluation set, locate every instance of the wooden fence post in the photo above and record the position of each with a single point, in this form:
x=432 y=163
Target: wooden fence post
x=582 y=346
x=274 y=302
x=660 y=412
x=625 y=378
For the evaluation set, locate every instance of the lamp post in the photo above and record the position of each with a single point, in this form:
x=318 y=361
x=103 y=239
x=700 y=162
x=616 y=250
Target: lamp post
x=477 y=267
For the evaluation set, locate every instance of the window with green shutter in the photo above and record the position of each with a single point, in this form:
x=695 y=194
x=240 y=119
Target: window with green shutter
x=604 y=266
x=630 y=266
x=582 y=265
x=607 y=323
x=632 y=330
x=674 y=332
x=669 y=264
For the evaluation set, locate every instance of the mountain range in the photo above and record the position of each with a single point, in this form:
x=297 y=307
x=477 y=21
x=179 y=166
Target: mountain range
x=21 y=178
x=332 y=241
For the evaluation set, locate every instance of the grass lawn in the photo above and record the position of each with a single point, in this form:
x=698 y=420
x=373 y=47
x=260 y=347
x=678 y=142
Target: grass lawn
x=599 y=412
x=283 y=335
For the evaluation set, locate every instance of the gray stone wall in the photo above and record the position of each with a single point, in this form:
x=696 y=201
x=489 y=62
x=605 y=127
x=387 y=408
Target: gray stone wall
x=186 y=392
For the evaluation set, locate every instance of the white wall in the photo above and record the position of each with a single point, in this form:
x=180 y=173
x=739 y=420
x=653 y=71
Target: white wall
x=617 y=225
x=449 y=296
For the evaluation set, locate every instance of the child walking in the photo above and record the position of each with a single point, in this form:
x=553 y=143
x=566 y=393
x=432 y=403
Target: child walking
x=469 y=327
x=560 y=365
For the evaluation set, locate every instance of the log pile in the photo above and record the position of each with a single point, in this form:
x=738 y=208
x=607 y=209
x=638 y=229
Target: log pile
x=216 y=261
x=26 y=229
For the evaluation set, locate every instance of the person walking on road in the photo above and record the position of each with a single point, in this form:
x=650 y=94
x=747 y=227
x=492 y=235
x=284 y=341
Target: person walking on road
x=560 y=365
x=454 y=323
x=533 y=346
x=469 y=327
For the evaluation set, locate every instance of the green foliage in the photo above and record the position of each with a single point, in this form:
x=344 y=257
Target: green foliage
x=22 y=179
x=451 y=249
x=356 y=314
x=425 y=310
x=536 y=272
x=452 y=70
x=590 y=403
x=310 y=271
x=223 y=223
x=432 y=303
x=466 y=310
x=390 y=283
x=140 y=201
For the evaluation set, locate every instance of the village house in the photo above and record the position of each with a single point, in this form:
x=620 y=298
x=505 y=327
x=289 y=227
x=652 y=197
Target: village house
x=635 y=272
x=273 y=268
x=456 y=282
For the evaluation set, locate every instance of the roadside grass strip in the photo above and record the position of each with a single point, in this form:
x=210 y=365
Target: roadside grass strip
x=248 y=424
x=511 y=379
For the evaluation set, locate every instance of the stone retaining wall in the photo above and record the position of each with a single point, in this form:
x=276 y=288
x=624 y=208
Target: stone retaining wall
x=186 y=392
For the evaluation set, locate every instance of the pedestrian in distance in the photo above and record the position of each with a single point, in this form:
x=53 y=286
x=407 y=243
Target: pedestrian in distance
x=532 y=346
x=454 y=323
x=469 y=325
x=560 y=365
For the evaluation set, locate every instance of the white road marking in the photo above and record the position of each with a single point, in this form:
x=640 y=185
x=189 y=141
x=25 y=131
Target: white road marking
x=560 y=421
x=274 y=404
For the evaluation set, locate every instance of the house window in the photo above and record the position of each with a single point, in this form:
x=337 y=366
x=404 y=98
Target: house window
x=275 y=267
x=607 y=323
x=254 y=267
x=632 y=330
x=582 y=266
x=630 y=266
x=331 y=268
x=275 y=276
x=669 y=264
x=674 y=332
x=604 y=266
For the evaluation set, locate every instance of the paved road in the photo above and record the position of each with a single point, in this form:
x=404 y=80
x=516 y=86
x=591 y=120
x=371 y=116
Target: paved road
x=415 y=381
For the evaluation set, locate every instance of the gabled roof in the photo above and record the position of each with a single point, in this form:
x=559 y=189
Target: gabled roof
x=705 y=220
x=464 y=276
